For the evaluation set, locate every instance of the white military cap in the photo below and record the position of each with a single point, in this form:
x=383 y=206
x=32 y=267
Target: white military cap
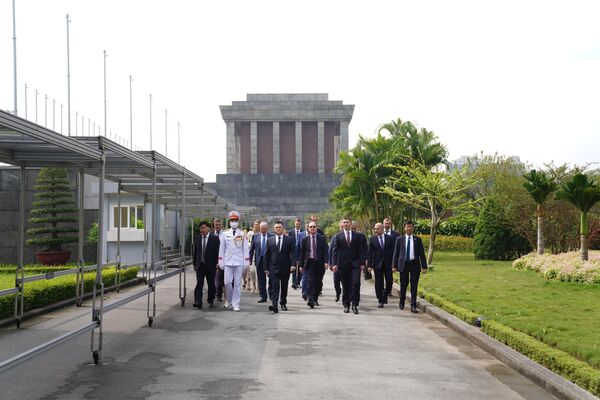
x=233 y=215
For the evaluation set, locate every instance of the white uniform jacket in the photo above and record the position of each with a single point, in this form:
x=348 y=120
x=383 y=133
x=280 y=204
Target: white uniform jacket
x=233 y=251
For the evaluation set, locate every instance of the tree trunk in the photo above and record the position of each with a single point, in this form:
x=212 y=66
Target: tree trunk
x=584 y=238
x=540 y=229
x=432 y=234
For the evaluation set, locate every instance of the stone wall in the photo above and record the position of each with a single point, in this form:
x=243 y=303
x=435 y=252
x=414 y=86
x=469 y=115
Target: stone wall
x=280 y=194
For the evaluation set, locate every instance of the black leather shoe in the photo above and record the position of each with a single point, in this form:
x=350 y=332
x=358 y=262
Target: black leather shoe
x=304 y=297
x=413 y=309
x=274 y=309
x=337 y=298
x=198 y=306
x=262 y=301
x=283 y=307
x=316 y=303
x=346 y=310
x=380 y=305
x=210 y=305
x=355 y=310
x=401 y=305
x=311 y=304
x=294 y=287
x=220 y=299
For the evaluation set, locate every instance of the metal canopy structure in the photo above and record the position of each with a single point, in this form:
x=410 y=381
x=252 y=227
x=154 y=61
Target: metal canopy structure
x=159 y=179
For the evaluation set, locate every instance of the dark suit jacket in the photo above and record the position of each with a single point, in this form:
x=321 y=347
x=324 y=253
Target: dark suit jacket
x=255 y=249
x=211 y=254
x=322 y=251
x=331 y=243
x=297 y=241
x=378 y=257
x=394 y=235
x=398 y=260
x=280 y=261
x=352 y=256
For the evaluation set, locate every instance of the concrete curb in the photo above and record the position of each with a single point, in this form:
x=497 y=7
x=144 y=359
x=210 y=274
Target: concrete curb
x=64 y=303
x=540 y=375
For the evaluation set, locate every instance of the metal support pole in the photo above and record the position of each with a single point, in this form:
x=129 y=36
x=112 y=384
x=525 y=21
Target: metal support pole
x=97 y=312
x=166 y=130
x=26 y=101
x=20 y=272
x=79 y=288
x=45 y=110
x=130 y=113
x=151 y=282
x=54 y=115
x=145 y=269
x=105 y=93
x=68 y=82
x=15 y=54
x=178 y=143
x=150 y=122
x=118 y=271
x=36 y=106
x=182 y=293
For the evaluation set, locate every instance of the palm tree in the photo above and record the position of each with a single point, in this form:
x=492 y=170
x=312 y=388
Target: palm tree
x=583 y=193
x=539 y=185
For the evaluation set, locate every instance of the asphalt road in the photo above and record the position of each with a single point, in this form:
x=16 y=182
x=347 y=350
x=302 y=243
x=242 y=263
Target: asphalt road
x=253 y=354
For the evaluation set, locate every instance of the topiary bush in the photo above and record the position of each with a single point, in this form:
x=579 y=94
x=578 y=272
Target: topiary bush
x=52 y=207
x=493 y=238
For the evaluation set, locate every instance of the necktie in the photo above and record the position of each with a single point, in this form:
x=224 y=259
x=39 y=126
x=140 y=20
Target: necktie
x=203 y=248
x=408 y=248
x=263 y=246
x=234 y=233
x=348 y=237
x=381 y=241
x=313 y=247
x=279 y=243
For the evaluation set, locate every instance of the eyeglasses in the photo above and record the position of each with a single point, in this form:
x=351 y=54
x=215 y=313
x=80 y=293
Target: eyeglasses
x=312 y=226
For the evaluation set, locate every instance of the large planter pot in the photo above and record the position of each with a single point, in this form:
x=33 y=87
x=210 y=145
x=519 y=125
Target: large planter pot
x=53 y=257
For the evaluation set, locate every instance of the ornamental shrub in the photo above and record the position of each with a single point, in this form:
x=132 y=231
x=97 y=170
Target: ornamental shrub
x=462 y=225
x=493 y=237
x=52 y=207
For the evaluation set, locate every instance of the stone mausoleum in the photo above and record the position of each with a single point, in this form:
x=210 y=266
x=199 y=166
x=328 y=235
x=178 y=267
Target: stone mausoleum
x=281 y=151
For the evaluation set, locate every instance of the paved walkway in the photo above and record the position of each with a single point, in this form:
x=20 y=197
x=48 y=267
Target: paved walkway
x=218 y=354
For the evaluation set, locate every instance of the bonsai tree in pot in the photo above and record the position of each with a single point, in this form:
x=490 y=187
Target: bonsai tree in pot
x=53 y=208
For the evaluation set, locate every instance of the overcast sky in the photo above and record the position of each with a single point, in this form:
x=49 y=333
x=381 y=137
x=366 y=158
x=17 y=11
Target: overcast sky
x=518 y=78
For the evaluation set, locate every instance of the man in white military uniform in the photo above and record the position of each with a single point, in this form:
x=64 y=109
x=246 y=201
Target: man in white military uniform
x=233 y=259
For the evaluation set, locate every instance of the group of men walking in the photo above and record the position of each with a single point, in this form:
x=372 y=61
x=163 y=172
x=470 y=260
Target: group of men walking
x=303 y=255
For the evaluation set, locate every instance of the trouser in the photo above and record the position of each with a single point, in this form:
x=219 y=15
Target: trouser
x=262 y=279
x=314 y=280
x=278 y=283
x=219 y=282
x=337 y=282
x=233 y=275
x=204 y=273
x=350 y=277
x=304 y=284
x=410 y=274
x=297 y=277
x=383 y=289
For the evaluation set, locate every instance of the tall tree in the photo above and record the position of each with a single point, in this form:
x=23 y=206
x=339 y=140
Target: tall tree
x=583 y=193
x=434 y=192
x=539 y=185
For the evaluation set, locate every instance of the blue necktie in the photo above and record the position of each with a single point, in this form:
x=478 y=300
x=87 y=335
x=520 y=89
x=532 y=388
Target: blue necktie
x=263 y=247
x=408 y=249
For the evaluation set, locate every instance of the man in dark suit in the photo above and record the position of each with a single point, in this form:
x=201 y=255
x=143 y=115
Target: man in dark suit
x=315 y=219
x=387 y=229
x=337 y=280
x=409 y=260
x=279 y=259
x=219 y=275
x=258 y=249
x=314 y=262
x=297 y=234
x=379 y=260
x=349 y=256
x=205 y=257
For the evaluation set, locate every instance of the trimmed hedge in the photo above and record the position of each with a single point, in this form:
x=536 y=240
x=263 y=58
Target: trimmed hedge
x=35 y=268
x=564 y=364
x=42 y=293
x=449 y=243
x=558 y=361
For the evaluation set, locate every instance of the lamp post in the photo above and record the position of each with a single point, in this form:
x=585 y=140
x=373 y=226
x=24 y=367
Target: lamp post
x=105 y=128
x=130 y=114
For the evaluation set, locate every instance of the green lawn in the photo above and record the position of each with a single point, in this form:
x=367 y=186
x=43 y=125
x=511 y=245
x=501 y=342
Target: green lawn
x=564 y=315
